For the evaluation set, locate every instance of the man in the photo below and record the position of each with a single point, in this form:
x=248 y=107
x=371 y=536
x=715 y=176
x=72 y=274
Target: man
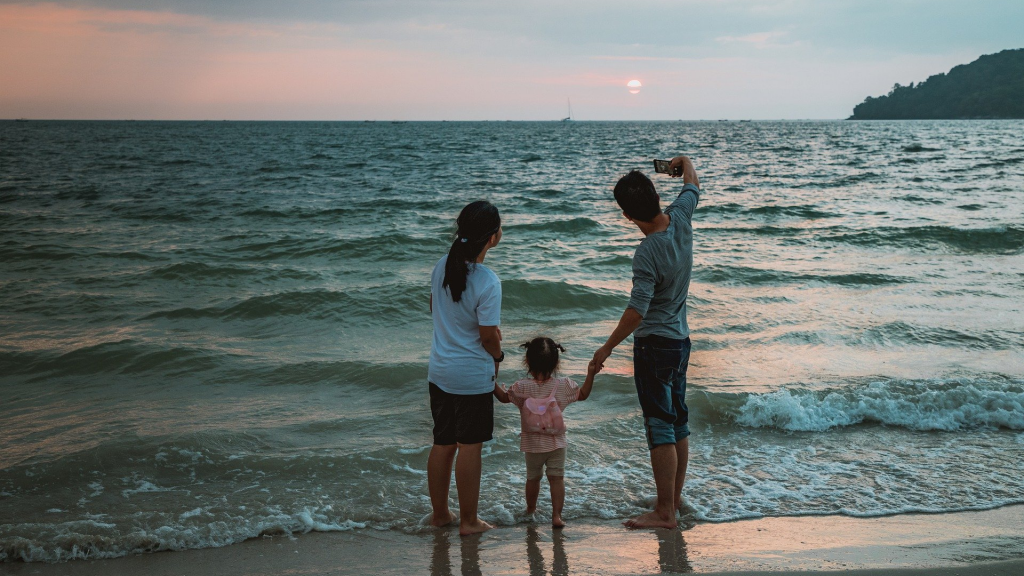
x=656 y=315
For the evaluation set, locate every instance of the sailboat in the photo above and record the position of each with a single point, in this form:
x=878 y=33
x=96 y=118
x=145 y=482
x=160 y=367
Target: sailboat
x=569 y=106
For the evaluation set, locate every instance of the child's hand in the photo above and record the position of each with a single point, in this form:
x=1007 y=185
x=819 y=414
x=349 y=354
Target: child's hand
x=593 y=368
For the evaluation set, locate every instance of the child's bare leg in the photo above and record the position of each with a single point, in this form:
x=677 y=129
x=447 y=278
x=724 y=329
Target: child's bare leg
x=557 y=500
x=532 y=492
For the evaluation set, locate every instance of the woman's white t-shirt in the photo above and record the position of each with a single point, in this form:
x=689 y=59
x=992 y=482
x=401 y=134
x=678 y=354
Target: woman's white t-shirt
x=458 y=362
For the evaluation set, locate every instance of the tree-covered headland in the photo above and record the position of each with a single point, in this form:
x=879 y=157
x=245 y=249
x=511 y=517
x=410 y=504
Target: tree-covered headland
x=990 y=87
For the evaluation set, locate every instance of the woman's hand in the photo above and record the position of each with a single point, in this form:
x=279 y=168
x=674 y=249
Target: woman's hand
x=501 y=394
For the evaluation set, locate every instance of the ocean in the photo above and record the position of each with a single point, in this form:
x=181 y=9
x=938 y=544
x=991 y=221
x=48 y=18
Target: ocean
x=212 y=331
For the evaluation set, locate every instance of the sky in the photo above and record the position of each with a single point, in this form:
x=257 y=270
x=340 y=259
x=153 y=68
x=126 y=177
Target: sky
x=480 y=60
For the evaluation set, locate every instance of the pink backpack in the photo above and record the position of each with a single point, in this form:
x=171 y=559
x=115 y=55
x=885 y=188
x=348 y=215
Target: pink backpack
x=543 y=415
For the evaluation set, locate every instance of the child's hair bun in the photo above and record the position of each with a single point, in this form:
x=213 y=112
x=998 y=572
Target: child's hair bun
x=526 y=345
x=542 y=356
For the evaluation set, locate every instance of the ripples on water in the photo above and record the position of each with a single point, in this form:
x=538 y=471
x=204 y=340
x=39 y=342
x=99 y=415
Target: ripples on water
x=217 y=330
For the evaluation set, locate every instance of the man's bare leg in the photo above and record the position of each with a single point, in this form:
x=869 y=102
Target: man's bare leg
x=664 y=465
x=439 y=481
x=557 y=484
x=467 y=483
x=532 y=493
x=682 y=458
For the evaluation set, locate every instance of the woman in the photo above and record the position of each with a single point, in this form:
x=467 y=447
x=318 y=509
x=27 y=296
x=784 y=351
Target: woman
x=465 y=303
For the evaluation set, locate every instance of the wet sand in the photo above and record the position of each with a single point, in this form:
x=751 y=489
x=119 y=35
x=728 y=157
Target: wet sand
x=964 y=544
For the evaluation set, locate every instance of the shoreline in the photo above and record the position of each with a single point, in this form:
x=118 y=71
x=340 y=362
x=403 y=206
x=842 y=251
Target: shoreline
x=966 y=543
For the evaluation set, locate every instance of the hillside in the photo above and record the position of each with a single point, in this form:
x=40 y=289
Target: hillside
x=990 y=87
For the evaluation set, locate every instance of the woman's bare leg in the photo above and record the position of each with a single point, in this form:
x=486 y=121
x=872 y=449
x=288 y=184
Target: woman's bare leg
x=439 y=480
x=467 y=482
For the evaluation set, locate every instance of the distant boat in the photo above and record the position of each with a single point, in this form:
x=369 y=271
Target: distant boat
x=568 y=105
x=21 y=120
x=744 y=120
x=398 y=121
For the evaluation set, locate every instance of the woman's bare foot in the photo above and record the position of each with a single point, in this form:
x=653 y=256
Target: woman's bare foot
x=652 y=520
x=556 y=521
x=476 y=527
x=439 y=521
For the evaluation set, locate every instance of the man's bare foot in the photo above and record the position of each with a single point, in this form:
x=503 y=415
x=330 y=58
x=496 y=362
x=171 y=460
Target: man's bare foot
x=556 y=521
x=438 y=522
x=474 y=527
x=651 y=520
x=530 y=511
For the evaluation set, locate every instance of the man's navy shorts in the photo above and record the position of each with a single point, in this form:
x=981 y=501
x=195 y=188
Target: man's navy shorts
x=659 y=369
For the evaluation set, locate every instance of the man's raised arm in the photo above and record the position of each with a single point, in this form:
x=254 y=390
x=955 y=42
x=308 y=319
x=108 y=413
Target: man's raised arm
x=681 y=165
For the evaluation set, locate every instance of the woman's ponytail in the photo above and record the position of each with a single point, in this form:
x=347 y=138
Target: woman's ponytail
x=477 y=222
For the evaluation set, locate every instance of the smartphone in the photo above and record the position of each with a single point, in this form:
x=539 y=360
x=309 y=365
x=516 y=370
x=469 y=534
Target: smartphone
x=662 y=167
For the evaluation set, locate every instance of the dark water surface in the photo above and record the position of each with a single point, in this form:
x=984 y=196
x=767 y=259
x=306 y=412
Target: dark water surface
x=216 y=330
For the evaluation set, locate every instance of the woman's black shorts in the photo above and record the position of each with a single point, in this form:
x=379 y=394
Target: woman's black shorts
x=462 y=419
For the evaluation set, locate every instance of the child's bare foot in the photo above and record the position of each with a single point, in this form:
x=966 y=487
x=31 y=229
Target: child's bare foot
x=439 y=521
x=652 y=520
x=556 y=521
x=465 y=529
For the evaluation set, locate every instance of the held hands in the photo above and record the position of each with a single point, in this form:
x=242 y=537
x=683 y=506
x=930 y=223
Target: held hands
x=597 y=363
x=501 y=393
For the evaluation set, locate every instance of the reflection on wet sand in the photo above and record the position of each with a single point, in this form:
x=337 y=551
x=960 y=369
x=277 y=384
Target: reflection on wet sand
x=672 y=552
x=672 y=555
x=471 y=555
x=440 y=559
x=559 y=562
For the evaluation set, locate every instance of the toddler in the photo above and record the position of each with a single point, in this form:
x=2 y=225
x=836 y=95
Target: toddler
x=541 y=400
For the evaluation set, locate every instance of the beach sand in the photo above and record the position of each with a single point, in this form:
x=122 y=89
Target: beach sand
x=965 y=543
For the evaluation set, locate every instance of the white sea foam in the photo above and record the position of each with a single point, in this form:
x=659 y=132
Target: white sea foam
x=190 y=513
x=89 y=539
x=946 y=405
x=143 y=486
x=96 y=487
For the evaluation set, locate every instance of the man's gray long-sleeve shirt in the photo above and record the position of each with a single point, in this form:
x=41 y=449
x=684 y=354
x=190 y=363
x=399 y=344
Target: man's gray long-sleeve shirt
x=661 y=272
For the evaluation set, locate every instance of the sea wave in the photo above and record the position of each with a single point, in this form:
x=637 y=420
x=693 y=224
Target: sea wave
x=386 y=303
x=556 y=297
x=94 y=540
x=999 y=240
x=923 y=405
x=123 y=356
x=919 y=148
x=806 y=211
x=901 y=333
x=312 y=246
x=570 y=226
x=742 y=275
x=199 y=271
